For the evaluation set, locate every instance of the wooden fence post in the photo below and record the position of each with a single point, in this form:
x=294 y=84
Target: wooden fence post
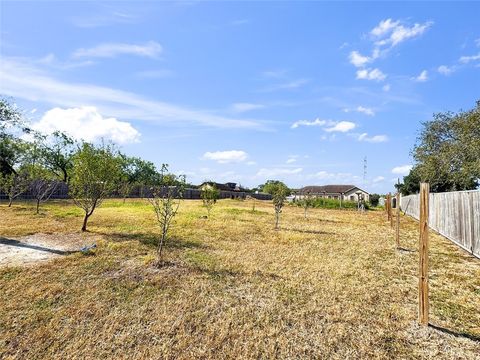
x=389 y=204
x=423 y=305
x=397 y=234
x=391 y=211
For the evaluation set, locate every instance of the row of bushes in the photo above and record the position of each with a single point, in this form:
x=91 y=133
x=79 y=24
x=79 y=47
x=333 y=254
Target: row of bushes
x=325 y=203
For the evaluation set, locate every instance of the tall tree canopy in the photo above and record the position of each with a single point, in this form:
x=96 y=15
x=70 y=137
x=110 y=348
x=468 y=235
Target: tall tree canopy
x=447 y=153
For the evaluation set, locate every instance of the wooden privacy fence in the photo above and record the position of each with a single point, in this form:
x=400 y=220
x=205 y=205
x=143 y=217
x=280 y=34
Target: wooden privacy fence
x=455 y=215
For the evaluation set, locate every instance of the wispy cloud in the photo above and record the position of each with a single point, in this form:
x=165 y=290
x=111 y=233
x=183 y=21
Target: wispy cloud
x=288 y=85
x=446 y=70
x=467 y=59
x=24 y=80
x=106 y=19
x=422 y=77
x=361 y=109
x=150 y=49
x=239 y=22
x=326 y=125
x=371 y=74
x=316 y=122
x=224 y=157
x=373 y=139
x=244 y=107
x=358 y=60
x=392 y=33
x=402 y=169
x=342 y=126
x=274 y=73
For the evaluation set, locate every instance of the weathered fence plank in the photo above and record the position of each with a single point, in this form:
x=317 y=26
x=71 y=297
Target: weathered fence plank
x=455 y=215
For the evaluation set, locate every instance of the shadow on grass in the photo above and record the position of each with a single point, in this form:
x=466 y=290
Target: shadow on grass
x=16 y=243
x=152 y=240
x=306 y=231
x=455 y=333
x=402 y=249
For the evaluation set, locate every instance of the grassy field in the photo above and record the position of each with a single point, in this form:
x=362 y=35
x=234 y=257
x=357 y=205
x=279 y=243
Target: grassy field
x=331 y=286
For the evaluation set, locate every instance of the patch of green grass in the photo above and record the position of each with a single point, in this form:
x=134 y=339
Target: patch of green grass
x=236 y=211
x=200 y=259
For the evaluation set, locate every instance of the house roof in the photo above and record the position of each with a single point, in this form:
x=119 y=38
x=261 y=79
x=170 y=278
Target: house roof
x=223 y=187
x=329 y=189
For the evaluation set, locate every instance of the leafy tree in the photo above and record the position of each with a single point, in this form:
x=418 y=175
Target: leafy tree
x=306 y=201
x=374 y=199
x=279 y=192
x=14 y=185
x=209 y=194
x=11 y=147
x=447 y=151
x=57 y=152
x=96 y=169
x=137 y=172
x=10 y=115
x=411 y=182
x=166 y=201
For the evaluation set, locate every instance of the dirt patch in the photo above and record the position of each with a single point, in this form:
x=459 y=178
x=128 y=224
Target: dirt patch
x=36 y=248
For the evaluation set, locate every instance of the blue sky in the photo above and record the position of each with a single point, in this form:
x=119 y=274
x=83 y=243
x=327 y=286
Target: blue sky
x=245 y=92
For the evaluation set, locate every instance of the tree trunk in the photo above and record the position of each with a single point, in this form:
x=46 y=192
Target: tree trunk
x=10 y=200
x=305 y=214
x=85 y=219
x=38 y=206
x=277 y=218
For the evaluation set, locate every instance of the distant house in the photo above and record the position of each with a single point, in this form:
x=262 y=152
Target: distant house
x=344 y=192
x=230 y=186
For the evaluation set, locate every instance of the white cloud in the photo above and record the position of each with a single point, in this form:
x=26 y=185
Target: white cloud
x=277 y=172
x=243 y=107
x=358 y=60
x=378 y=179
x=402 y=170
x=150 y=49
x=291 y=159
x=467 y=59
x=372 y=139
x=422 y=77
x=86 y=123
x=445 y=70
x=392 y=33
x=342 y=126
x=386 y=87
x=316 y=122
x=384 y=27
x=371 y=74
x=365 y=110
x=477 y=42
x=361 y=109
x=23 y=80
x=224 y=157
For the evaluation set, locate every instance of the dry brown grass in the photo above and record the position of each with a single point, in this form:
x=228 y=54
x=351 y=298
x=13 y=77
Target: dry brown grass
x=332 y=286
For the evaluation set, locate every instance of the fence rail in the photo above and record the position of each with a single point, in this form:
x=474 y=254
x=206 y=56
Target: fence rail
x=455 y=215
x=61 y=192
